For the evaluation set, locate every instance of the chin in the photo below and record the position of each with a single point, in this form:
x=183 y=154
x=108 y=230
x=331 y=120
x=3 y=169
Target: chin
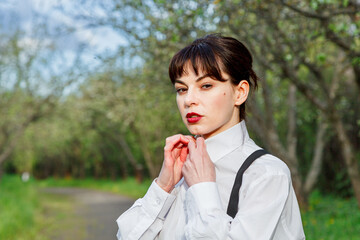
x=194 y=130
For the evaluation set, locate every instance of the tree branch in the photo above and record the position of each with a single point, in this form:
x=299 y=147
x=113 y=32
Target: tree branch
x=303 y=12
x=353 y=9
x=317 y=159
x=303 y=88
x=317 y=74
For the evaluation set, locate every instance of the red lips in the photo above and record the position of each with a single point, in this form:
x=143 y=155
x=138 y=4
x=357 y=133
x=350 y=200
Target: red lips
x=193 y=117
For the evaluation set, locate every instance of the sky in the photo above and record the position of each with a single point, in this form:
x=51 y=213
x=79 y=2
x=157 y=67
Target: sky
x=20 y=14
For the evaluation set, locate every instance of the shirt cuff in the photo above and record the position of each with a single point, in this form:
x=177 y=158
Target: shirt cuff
x=157 y=202
x=202 y=198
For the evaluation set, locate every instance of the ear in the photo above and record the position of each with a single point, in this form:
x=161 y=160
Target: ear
x=241 y=92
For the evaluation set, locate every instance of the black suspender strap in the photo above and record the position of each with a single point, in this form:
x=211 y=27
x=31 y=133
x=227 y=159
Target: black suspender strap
x=234 y=197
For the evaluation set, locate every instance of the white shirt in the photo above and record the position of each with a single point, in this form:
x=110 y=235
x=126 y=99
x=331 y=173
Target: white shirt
x=268 y=208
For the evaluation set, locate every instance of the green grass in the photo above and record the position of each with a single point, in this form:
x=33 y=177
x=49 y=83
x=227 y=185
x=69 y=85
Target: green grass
x=28 y=214
x=128 y=187
x=19 y=209
x=24 y=211
x=331 y=218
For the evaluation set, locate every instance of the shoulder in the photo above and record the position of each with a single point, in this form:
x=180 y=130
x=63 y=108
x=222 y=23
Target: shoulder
x=267 y=165
x=271 y=165
x=267 y=174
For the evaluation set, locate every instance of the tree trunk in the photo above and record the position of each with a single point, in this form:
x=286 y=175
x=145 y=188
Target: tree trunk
x=317 y=160
x=348 y=153
x=291 y=149
x=149 y=163
x=5 y=154
x=9 y=146
x=138 y=168
x=125 y=147
x=123 y=171
x=357 y=75
x=291 y=134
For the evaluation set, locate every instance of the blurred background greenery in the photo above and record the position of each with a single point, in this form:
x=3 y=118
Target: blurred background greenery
x=67 y=111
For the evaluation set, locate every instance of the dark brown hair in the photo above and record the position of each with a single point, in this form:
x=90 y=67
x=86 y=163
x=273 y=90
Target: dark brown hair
x=213 y=54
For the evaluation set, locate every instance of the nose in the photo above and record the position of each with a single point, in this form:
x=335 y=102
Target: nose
x=191 y=98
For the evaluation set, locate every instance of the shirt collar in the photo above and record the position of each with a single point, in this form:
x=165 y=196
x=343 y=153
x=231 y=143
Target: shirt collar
x=227 y=141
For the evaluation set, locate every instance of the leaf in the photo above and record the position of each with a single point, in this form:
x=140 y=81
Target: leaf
x=321 y=57
x=314 y=5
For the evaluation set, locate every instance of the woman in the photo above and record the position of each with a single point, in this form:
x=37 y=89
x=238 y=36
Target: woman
x=213 y=77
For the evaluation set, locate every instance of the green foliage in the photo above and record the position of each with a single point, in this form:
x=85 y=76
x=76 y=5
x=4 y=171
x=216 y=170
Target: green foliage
x=356 y=61
x=31 y=85
x=329 y=218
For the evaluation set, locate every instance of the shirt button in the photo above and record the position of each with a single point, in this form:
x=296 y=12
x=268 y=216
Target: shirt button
x=158 y=201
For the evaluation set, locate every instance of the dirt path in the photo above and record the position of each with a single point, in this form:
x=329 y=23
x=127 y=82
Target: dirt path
x=76 y=213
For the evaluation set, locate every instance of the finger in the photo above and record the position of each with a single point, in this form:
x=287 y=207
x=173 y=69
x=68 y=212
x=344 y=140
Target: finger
x=173 y=141
x=192 y=147
x=191 y=138
x=176 y=138
x=185 y=138
x=200 y=143
x=170 y=142
x=187 y=165
x=182 y=142
x=184 y=154
x=181 y=149
x=179 y=145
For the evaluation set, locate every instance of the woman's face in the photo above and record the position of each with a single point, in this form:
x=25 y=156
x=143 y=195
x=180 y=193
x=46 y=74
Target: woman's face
x=207 y=106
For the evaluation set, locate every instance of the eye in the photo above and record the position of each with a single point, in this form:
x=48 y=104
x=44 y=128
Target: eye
x=180 y=90
x=206 y=86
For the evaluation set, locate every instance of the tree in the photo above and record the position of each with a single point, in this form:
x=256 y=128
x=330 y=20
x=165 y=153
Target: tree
x=148 y=111
x=152 y=116
x=31 y=81
x=294 y=47
x=294 y=51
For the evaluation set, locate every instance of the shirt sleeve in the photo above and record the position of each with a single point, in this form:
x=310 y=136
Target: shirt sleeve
x=257 y=218
x=145 y=218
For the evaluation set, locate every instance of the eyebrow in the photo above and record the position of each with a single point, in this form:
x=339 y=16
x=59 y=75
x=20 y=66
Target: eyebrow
x=197 y=80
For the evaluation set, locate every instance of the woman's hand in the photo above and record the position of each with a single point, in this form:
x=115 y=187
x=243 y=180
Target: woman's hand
x=198 y=166
x=175 y=152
